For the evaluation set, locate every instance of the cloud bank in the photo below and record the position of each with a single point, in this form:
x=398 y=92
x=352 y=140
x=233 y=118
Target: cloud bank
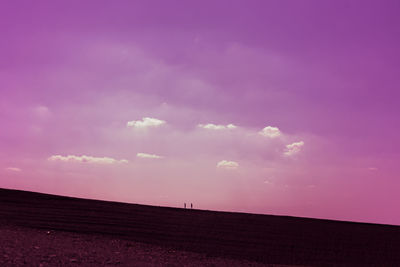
x=145 y=123
x=148 y=156
x=86 y=159
x=228 y=164
x=211 y=126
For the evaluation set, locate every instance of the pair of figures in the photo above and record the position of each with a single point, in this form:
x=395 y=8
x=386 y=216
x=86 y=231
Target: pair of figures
x=191 y=205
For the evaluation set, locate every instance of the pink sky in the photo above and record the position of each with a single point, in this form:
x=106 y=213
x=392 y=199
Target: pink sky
x=165 y=102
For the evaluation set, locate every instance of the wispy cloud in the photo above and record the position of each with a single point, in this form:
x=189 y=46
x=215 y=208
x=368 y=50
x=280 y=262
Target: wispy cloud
x=148 y=156
x=270 y=131
x=13 y=169
x=42 y=111
x=294 y=148
x=86 y=159
x=145 y=123
x=227 y=164
x=212 y=126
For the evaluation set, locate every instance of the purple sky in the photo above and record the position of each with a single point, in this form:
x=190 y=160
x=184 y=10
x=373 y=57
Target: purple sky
x=278 y=107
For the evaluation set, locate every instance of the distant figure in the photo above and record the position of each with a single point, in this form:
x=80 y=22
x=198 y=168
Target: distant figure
x=184 y=205
x=191 y=205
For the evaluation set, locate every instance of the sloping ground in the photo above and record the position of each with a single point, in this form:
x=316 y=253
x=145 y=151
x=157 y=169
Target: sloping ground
x=23 y=246
x=263 y=238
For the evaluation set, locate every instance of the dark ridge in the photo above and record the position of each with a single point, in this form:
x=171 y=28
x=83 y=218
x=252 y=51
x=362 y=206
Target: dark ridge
x=263 y=238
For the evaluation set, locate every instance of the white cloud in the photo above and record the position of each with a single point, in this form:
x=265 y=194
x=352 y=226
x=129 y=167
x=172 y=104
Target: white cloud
x=148 y=156
x=86 y=159
x=145 y=123
x=212 y=126
x=227 y=164
x=13 y=169
x=270 y=131
x=372 y=168
x=293 y=148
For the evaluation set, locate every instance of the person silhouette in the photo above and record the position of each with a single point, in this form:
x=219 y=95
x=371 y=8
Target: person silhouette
x=184 y=205
x=191 y=205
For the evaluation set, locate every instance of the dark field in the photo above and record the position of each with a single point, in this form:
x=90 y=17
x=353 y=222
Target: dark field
x=202 y=237
x=23 y=246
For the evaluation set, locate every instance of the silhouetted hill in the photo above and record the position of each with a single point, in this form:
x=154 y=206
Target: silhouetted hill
x=264 y=238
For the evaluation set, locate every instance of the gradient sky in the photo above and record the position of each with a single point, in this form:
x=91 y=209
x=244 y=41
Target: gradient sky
x=277 y=107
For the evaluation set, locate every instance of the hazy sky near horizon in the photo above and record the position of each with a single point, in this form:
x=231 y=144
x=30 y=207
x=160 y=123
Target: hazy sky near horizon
x=278 y=107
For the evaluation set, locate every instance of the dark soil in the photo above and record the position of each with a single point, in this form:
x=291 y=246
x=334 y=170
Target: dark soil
x=21 y=246
x=212 y=235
